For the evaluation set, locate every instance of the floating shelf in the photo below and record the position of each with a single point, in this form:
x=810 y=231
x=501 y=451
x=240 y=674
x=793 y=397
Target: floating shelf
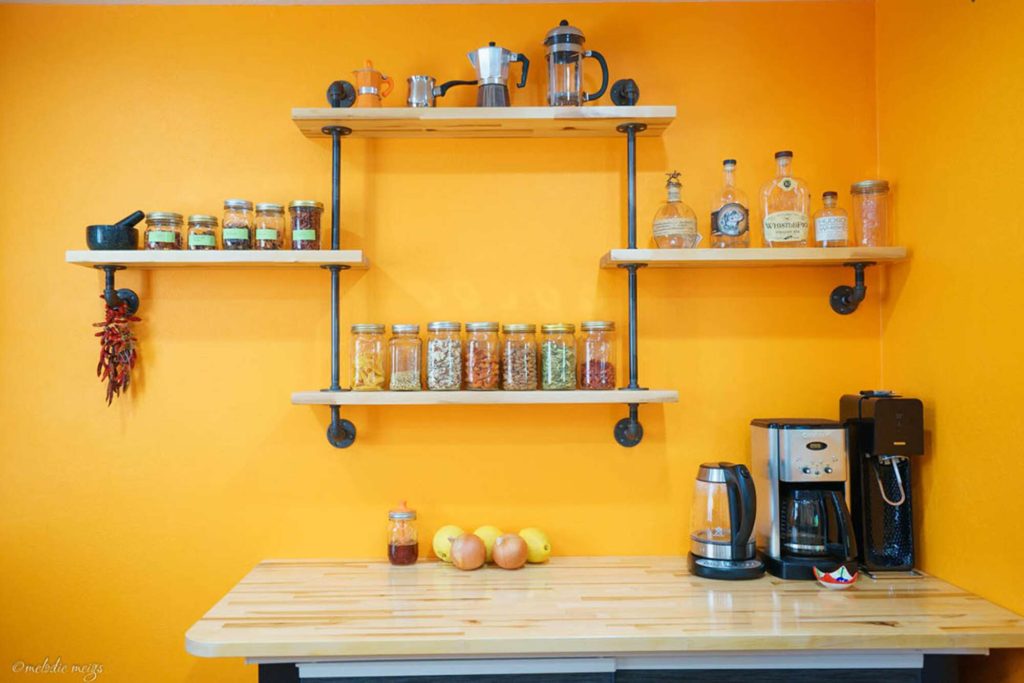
x=462 y=398
x=710 y=258
x=484 y=122
x=216 y=258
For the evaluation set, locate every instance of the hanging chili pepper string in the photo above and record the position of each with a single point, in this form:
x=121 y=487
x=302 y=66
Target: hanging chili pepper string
x=118 y=349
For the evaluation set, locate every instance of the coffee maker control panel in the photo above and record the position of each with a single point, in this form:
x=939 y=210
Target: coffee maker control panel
x=812 y=455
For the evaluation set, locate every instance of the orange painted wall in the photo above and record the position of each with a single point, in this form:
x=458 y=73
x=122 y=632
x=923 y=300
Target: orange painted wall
x=950 y=104
x=122 y=525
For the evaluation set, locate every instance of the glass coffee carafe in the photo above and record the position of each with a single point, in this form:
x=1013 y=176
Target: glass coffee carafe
x=816 y=522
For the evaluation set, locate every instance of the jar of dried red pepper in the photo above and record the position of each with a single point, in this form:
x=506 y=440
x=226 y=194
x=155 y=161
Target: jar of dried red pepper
x=597 y=354
x=482 y=362
x=163 y=230
x=305 y=215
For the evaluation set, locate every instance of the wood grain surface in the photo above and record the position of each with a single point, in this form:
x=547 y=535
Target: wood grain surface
x=751 y=257
x=574 y=605
x=220 y=258
x=464 y=398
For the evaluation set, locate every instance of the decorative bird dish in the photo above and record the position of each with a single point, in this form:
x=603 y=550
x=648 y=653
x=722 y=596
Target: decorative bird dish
x=839 y=580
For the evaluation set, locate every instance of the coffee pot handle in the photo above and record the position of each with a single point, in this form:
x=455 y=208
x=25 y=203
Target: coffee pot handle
x=742 y=506
x=587 y=97
x=386 y=85
x=845 y=524
x=442 y=90
x=526 y=69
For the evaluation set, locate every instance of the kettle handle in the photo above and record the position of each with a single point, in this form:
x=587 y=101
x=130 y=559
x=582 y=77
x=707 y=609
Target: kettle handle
x=587 y=97
x=742 y=506
x=526 y=69
x=386 y=81
x=442 y=90
x=845 y=524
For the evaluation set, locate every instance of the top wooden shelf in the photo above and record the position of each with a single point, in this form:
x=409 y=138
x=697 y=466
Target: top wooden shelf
x=708 y=258
x=483 y=122
x=218 y=258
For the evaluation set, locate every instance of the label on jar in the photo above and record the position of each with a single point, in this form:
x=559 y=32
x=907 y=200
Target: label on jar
x=785 y=226
x=303 y=235
x=236 y=233
x=830 y=229
x=202 y=240
x=267 y=234
x=675 y=226
x=162 y=236
x=732 y=220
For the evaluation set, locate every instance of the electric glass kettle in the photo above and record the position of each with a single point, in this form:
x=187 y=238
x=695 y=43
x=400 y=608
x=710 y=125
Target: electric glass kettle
x=722 y=522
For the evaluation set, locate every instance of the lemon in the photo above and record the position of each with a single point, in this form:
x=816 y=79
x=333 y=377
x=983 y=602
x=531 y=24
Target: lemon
x=488 y=534
x=443 y=541
x=538 y=547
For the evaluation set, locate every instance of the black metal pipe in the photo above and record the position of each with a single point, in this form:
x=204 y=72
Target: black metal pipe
x=633 y=358
x=631 y=187
x=335 y=242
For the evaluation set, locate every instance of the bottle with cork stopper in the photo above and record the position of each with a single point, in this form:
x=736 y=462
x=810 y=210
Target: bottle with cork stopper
x=403 y=543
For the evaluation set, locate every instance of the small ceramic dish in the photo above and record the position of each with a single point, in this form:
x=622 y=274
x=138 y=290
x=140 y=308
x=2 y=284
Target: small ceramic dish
x=838 y=580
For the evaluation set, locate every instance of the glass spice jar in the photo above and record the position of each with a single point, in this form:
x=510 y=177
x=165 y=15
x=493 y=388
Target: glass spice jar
x=236 y=228
x=202 y=232
x=163 y=230
x=367 y=357
x=482 y=359
x=597 y=354
x=444 y=356
x=405 y=350
x=403 y=541
x=519 y=357
x=871 y=212
x=558 y=357
x=269 y=226
x=305 y=215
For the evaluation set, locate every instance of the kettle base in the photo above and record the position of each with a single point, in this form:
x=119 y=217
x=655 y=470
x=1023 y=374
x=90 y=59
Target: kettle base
x=727 y=570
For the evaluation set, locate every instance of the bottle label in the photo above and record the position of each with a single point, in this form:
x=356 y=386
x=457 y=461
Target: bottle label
x=202 y=241
x=731 y=219
x=162 y=236
x=303 y=235
x=785 y=226
x=830 y=228
x=675 y=227
x=236 y=233
x=268 y=234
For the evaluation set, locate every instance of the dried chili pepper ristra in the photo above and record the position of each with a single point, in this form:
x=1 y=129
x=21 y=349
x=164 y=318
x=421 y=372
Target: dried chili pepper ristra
x=118 y=349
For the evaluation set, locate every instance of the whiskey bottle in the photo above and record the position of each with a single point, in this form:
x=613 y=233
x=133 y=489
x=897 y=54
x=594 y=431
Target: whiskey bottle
x=675 y=223
x=730 y=212
x=785 y=204
x=830 y=223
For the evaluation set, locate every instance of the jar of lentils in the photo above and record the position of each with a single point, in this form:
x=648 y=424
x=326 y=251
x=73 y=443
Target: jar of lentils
x=482 y=358
x=236 y=228
x=596 y=355
x=202 y=232
x=444 y=356
x=519 y=357
x=305 y=215
x=405 y=350
x=269 y=226
x=558 y=357
x=163 y=230
x=367 y=357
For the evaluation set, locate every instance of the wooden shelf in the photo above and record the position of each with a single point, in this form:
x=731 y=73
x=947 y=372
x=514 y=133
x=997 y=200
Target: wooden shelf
x=286 y=258
x=484 y=122
x=710 y=258
x=436 y=398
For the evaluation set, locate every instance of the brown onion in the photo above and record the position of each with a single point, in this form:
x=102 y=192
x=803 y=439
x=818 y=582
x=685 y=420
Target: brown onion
x=509 y=551
x=468 y=552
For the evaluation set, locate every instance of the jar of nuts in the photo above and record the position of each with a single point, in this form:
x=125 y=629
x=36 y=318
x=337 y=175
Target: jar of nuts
x=367 y=357
x=406 y=349
x=163 y=230
x=519 y=357
x=269 y=226
x=482 y=357
x=558 y=357
x=305 y=216
x=236 y=228
x=596 y=355
x=202 y=232
x=444 y=356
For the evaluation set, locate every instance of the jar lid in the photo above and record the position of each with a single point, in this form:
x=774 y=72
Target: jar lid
x=368 y=328
x=270 y=206
x=830 y=193
x=444 y=326
x=305 y=203
x=481 y=327
x=564 y=33
x=405 y=329
x=402 y=512
x=238 y=204
x=597 y=326
x=163 y=216
x=729 y=162
x=784 y=154
x=869 y=187
x=202 y=218
x=518 y=327
x=558 y=327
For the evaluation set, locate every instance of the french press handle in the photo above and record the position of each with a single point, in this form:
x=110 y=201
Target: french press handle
x=587 y=97
x=520 y=57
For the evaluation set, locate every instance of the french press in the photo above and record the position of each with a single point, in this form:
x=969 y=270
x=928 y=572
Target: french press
x=565 y=55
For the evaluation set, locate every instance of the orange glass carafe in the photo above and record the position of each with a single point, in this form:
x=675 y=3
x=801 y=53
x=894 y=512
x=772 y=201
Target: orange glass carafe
x=371 y=86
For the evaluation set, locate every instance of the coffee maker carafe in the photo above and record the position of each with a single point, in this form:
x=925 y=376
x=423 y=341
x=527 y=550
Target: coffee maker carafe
x=492 y=65
x=803 y=523
x=722 y=523
x=565 y=55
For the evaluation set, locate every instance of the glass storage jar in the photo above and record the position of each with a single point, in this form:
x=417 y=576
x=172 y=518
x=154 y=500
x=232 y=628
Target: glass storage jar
x=367 y=357
x=163 y=230
x=202 y=232
x=482 y=359
x=558 y=357
x=597 y=354
x=305 y=216
x=871 y=212
x=269 y=226
x=236 y=228
x=405 y=351
x=519 y=357
x=403 y=542
x=444 y=356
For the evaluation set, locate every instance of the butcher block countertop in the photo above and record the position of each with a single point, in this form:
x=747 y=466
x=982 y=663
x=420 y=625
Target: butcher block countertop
x=574 y=605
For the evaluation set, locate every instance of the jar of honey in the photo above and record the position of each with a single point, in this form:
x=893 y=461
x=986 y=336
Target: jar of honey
x=403 y=544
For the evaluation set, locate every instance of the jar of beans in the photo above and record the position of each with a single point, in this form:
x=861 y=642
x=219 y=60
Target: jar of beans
x=558 y=357
x=405 y=350
x=269 y=226
x=305 y=216
x=444 y=356
x=202 y=232
x=596 y=355
x=236 y=228
x=519 y=357
x=482 y=358
x=367 y=357
x=163 y=230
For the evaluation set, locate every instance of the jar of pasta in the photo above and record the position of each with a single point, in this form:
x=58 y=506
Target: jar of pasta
x=367 y=357
x=597 y=355
x=163 y=230
x=519 y=357
x=305 y=215
x=558 y=357
x=236 y=228
x=405 y=350
x=269 y=226
x=444 y=356
x=482 y=357
x=202 y=232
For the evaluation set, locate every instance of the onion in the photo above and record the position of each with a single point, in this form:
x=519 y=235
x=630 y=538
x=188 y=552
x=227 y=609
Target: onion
x=509 y=551
x=468 y=552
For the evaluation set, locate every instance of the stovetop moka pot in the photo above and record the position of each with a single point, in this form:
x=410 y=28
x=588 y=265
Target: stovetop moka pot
x=492 y=67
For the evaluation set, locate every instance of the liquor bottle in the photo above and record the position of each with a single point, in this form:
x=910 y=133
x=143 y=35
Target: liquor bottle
x=730 y=212
x=785 y=204
x=830 y=223
x=675 y=223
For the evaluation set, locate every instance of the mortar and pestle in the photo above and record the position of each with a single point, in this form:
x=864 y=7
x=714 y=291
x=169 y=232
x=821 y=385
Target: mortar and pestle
x=119 y=236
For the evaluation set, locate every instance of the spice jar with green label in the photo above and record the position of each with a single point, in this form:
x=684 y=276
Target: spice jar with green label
x=519 y=357
x=269 y=226
x=367 y=357
x=558 y=357
x=202 y=232
x=406 y=350
x=482 y=360
x=305 y=215
x=163 y=230
x=236 y=228
x=444 y=356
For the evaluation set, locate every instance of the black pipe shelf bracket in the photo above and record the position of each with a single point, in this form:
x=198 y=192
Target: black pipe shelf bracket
x=113 y=296
x=845 y=299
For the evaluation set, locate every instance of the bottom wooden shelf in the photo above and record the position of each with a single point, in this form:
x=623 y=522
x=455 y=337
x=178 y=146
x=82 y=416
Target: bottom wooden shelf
x=436 y=398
